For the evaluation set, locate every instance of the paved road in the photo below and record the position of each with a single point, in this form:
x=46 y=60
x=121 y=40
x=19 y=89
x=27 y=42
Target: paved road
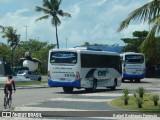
x=53 y=99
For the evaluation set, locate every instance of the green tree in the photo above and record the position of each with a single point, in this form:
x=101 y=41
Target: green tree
x=37 y=49
x=95 y=44
x=150 y=12
x=133 y=44
x=51 y=9
x=5 y=52
x=86 y=44
x=2 y=27
x=12 y=39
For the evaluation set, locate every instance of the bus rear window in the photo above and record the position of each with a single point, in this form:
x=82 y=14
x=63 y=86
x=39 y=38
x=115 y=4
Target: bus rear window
x=134 y=58
x=63 y=57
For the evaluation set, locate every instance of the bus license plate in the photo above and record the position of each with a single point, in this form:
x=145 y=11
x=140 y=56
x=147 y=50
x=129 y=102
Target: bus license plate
x=62 y=79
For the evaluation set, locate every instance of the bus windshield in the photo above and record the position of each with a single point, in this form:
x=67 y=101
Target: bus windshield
x=134 y=58
x=63 y=57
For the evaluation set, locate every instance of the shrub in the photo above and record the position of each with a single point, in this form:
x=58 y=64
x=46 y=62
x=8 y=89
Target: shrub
x=125 y=97
x=135 y=95
x=139 y=101
x=141 y=92
x=125 y=91
x=155 y=99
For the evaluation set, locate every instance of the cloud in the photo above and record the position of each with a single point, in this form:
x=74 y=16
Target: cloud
x=98 y=3
x=93 y=21
x=5 y=1
x=75 y=10
x=35 y=30
x=100 y=25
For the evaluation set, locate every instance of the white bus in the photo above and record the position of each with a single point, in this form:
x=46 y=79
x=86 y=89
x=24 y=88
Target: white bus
x=133 y=66
x=77 y=68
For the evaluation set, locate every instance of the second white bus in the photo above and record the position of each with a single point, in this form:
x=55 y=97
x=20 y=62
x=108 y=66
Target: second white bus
x=77 y=68
x=133 y=66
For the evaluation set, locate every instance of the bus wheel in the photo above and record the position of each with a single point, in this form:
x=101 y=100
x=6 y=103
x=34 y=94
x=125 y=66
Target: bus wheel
x=137 y=80
x=122 y=80
x=114 y=86
x=131 y=80
x=68 y=89
x=94 y=86
x=88 y=89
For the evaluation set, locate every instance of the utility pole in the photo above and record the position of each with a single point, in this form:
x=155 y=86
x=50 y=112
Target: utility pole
x=26 y=32
x=66 y=42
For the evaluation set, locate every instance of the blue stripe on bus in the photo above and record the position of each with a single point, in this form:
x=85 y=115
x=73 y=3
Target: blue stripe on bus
x=54 y=83
x=133 y=76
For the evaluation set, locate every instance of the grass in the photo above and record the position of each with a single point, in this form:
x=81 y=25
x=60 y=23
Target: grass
x=27 y=83
x=148 y=104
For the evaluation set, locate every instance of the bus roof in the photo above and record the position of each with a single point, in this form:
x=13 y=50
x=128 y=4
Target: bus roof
x=131 y=53
x=87 y=51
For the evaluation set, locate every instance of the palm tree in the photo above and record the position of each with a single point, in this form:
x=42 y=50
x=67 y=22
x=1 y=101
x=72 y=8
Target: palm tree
x=150 y=12
x=12 y=39
x=2 y=27
x=51 y=9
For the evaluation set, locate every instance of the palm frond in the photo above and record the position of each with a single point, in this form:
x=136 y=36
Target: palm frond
x=2 y=28
x=55 y=21
x=59 y=2
x=61 y=13
x=47 y=4
x=54 y=2
x=149 y=44
x=147 y=12
x=42 y=9
x=43 y=17
x=12 y=38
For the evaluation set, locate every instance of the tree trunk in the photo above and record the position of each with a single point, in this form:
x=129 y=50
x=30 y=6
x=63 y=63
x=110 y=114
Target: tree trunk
x=57 y=38
x=12 y=56
x=156 y=103
x=139 y=105
x=126 y=102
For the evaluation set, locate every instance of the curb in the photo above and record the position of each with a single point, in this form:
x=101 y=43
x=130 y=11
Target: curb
x=30 y=87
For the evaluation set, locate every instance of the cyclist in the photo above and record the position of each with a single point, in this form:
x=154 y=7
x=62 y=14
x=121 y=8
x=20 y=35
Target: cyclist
x=8 y=85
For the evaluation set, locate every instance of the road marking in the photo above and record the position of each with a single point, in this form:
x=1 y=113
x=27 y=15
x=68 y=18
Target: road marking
x=153 y=88
x=49 y=109
x=102 y=94
x=28 y=108
x=80 y=100
x=105 y=94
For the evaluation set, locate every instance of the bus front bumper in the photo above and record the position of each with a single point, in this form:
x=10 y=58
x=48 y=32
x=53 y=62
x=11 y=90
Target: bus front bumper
x=128 y=76
x=54 y=83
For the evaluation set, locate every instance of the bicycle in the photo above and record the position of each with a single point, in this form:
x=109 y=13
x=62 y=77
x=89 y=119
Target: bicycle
x=7 y=100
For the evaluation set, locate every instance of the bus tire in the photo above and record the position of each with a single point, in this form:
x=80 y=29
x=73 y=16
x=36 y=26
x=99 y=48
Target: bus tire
x=114 y=85
x=131 y=80
x=137 y=80
x=39 y=79
x=122 y=80
x=94 y=87
x=88 y=89
x=68 y=89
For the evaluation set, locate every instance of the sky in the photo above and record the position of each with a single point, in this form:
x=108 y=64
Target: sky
x=93 y=21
